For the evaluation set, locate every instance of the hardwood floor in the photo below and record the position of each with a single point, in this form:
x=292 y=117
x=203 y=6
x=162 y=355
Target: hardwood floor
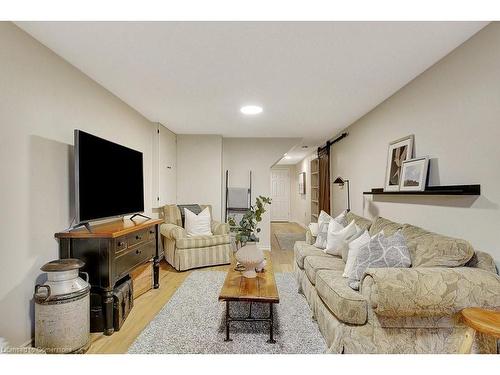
x=150 y=303
x=283 y=257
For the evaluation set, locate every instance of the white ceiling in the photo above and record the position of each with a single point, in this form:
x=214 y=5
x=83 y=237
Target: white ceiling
x=312 y=78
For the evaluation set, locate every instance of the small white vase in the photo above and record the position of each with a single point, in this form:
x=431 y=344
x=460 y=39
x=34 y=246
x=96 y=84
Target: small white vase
x=250 y=256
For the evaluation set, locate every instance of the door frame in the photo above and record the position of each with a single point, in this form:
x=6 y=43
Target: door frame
x=289 y=203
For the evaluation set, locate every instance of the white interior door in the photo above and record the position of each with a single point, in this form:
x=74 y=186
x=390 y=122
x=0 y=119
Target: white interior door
x=167 y=190
x=280 y=194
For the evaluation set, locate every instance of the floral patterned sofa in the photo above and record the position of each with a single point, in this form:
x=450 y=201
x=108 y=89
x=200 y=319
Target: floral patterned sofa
x=399 y=310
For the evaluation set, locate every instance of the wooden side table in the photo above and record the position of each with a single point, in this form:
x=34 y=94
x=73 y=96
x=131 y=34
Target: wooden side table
x=479 y=320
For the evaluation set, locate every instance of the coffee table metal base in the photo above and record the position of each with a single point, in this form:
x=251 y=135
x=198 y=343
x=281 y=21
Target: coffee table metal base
x=251 y=319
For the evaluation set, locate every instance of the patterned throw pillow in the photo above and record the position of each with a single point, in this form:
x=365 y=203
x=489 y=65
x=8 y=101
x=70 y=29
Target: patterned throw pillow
x=380 y=252
x=342 y=219
x=323 y=221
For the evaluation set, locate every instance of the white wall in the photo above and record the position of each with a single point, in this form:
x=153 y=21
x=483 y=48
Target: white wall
x=453 y=110
x=42 y=100
x=301 y=203
x=199 y=171
x=240 y=155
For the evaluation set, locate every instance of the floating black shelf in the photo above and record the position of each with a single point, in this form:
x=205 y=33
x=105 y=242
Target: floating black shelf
x=432 y=190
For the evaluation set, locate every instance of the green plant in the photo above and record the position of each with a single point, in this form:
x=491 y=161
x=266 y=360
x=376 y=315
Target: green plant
x=247 y=228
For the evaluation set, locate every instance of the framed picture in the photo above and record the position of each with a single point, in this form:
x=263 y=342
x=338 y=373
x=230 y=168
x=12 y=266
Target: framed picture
x=399 y=151
x=302 y=183
x=414 y=174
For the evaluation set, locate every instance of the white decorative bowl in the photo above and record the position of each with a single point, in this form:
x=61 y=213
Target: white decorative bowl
x=250 y=256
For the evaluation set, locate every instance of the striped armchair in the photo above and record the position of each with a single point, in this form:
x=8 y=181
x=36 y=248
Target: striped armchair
x=185 y=252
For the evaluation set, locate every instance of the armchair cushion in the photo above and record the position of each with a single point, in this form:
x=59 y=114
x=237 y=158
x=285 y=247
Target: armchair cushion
x=405 y=292
x=202 y=241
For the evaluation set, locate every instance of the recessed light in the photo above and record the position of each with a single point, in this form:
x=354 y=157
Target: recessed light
x=251 y=110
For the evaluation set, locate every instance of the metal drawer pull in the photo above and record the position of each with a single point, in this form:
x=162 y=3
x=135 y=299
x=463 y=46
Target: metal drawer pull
x=151 y=232
x=138 y=237
x=138 y=252
x=121 y=243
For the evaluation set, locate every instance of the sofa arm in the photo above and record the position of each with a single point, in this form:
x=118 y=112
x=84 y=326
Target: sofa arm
x=172 y=231
x=422 y=291
x=219 y=228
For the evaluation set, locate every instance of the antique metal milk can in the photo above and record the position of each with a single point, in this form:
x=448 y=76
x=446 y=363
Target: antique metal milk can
x=62 y=308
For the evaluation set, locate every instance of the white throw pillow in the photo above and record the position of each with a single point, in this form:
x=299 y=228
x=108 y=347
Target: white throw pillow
x=345 y=247
x=353 y=250
x=313 y=227
x=358 y=233
x=198 y=225
x=338 y=236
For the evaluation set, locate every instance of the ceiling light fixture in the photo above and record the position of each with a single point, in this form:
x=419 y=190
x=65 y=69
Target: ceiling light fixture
x=251 y=110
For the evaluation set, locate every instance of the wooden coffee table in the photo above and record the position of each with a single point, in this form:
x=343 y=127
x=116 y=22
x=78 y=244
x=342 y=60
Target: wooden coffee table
x=261 y=289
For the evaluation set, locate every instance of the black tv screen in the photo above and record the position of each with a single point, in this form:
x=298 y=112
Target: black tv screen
x=109 y=179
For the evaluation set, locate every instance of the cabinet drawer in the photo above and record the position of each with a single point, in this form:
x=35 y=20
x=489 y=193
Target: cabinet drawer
x=138 y=237
x=133 y=257
x=121 y=244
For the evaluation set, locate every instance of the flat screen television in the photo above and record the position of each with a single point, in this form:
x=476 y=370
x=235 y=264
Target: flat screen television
x=109 y=179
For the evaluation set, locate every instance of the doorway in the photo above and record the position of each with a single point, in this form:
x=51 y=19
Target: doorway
x=280 y=194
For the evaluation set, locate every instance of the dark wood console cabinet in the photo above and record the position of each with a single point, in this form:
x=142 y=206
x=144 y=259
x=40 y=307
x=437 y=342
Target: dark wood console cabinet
x=110 y=251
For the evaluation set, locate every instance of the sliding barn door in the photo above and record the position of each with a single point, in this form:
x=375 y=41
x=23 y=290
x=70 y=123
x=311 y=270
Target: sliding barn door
x=324 y=178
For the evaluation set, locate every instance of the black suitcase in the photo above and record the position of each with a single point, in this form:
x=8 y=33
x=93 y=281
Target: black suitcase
x=123 y=301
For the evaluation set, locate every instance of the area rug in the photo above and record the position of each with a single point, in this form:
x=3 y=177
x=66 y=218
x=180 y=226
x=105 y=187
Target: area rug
x=287 y=240
x=193 y=322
